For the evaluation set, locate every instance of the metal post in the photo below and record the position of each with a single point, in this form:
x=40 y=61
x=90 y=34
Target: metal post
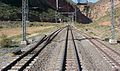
x=57 y=4
x=24 y=19
x=112 y=40
x=76 y=10
x=75 y=14
x=73 y=19
x=112 y=20
x=27 y=10
x=56 y=13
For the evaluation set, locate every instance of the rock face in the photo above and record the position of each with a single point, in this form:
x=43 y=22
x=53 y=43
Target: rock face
x=63 y=5
x=103 y=6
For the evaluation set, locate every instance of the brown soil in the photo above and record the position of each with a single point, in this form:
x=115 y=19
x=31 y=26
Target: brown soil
x=107 y=23
x=17 y=31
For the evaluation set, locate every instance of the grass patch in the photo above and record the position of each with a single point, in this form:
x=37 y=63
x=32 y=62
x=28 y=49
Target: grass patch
x=38 y=28
x=94 y=29
x=5 y=41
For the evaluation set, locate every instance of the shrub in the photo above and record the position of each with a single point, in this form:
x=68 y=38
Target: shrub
x=5 y=41
x=1 y=27
x=106 y=39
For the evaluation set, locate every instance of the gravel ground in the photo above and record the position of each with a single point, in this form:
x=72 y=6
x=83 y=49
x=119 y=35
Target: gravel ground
x=55 y=51
x=6 y=55
x=115 y=47
x=71 y=57
x=92 y=60
x=48 y=57
x=110 y=53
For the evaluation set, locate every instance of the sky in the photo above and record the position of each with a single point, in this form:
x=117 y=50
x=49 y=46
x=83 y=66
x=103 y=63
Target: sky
x=84 y=1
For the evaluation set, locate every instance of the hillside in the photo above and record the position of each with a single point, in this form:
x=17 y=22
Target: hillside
x=102 y=7
x=39 y=10
x=11 y=10
x=101 y=26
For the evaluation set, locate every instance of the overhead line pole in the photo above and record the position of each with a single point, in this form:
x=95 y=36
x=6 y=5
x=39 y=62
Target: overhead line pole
x=27 y=10
x=24 y=20
x=112 y=40
x=56 y=13
x=112 y=20
x=75 y=14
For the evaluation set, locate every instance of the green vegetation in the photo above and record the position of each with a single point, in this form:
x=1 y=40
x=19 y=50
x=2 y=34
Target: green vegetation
x=117 y=12
x=39 y=10
x=9 y=24
x=104 y=18
x=34 y=29
x=107 y=17
x=5 y=41
x=102 y=31
x=8 y=12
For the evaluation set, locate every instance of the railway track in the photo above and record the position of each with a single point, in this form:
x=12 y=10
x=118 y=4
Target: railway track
x=67 y=58
x=109 y=54
x=71 y=61
x=23 y=61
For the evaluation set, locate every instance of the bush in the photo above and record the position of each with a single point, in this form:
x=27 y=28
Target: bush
x=1 y=27
x=5 y=41
x=106 y=39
